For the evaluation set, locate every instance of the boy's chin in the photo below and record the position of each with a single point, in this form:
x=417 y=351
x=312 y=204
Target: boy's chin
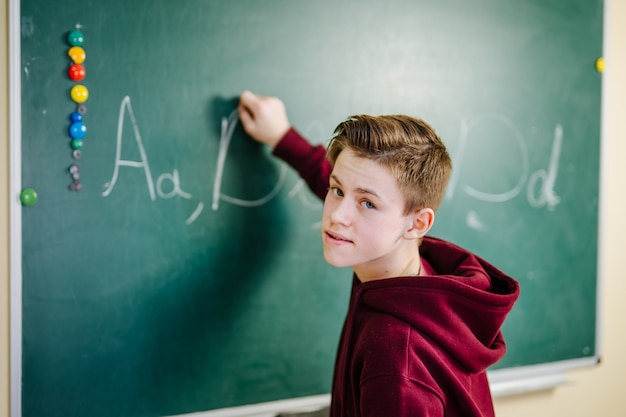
x=332 y=260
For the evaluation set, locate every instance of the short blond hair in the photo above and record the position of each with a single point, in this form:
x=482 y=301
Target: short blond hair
x=409 y=147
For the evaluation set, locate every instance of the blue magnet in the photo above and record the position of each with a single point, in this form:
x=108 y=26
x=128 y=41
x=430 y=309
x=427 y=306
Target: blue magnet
x=76 y=117
x=78 y=130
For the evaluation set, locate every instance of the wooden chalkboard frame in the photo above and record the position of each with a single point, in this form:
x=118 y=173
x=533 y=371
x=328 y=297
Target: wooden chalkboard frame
x=503 y=381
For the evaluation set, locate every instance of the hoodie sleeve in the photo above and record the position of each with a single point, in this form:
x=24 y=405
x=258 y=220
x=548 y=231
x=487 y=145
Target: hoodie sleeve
x=310 y=161
x=398 y=396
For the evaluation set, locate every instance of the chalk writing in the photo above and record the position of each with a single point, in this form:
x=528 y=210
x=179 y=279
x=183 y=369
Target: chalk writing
x=539 y=185
x=172 y=180
x=228 y=126
x=127 y=107
x=546 y=197
x=548 y=178
x=173 y=177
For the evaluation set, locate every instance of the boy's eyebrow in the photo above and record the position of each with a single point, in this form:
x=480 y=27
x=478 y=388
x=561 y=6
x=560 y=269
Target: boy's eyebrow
x=360 y=190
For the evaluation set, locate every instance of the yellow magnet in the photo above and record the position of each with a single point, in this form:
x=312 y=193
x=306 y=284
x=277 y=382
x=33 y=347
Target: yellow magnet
x=77 y=54
x=79 y=93
x=600 y=64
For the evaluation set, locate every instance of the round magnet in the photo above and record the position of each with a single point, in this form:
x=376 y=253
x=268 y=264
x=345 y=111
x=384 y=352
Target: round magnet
x=28 y=197
x=600 y=64
x=77 y=54
x=76 y=154
x=76 y=117
x=74 y=168
x=76 y=38
x=77 y=144
x=76 y=72
x=78 y=130
x=76 y=186
x=79 y=93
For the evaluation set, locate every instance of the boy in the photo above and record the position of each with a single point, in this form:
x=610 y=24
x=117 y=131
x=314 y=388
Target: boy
x=424 y=319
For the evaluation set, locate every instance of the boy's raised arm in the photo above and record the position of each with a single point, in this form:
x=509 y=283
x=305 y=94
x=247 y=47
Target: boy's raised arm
x=265 y=119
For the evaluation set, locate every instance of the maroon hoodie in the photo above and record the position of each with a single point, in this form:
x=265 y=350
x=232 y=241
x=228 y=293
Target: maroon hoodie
x=415 y=346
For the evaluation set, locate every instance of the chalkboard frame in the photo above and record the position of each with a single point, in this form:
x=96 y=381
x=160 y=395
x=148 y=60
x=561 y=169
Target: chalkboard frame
x=503 y=381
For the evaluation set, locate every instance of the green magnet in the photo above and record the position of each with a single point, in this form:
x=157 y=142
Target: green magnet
x=76 y=38
x=28 y=197
x=77 y=144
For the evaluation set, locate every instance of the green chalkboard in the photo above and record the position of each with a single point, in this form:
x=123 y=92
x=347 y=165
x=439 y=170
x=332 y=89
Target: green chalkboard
x=186 y=274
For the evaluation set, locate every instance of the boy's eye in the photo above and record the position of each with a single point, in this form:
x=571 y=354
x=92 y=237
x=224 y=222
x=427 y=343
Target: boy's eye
x=368 y=204
x=336 y=191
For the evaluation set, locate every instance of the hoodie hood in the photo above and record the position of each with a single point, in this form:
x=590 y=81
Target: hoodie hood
x=460 y=308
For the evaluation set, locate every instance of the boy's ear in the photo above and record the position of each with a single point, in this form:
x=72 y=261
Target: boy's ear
x=423 y=220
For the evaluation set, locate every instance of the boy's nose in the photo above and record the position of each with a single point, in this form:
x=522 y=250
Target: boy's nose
x=341 y=213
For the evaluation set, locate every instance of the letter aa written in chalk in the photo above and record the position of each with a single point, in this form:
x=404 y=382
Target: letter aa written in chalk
x=174 y=188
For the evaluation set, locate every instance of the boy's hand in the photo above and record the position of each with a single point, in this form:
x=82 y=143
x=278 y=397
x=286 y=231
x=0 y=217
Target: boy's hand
x=264 y=118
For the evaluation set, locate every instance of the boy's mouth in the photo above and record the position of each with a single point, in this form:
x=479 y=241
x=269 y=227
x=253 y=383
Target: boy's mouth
x=337 y=237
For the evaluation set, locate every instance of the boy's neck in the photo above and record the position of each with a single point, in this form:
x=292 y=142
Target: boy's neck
x=412 y=268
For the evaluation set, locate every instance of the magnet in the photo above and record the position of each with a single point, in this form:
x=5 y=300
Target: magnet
x=76 y=38
x=77 y=144
x=28 y=197
x=76 y=72
x=600 y=64
x=76 y=117
x=74 y=168
x=77 y=130
x=76 y=186
x=79 y=93
x=77 y=54
x=76 y=154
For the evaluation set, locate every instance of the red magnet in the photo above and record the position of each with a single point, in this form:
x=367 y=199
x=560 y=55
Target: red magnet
x=76 y=72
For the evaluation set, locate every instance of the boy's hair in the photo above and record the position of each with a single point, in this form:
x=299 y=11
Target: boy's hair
x=409 y=147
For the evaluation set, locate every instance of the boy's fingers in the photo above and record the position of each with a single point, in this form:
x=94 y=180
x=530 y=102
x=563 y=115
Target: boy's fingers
x=245 y=117
x=250 y=101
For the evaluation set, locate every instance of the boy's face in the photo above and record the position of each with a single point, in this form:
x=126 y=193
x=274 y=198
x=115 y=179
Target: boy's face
x=364 y=225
